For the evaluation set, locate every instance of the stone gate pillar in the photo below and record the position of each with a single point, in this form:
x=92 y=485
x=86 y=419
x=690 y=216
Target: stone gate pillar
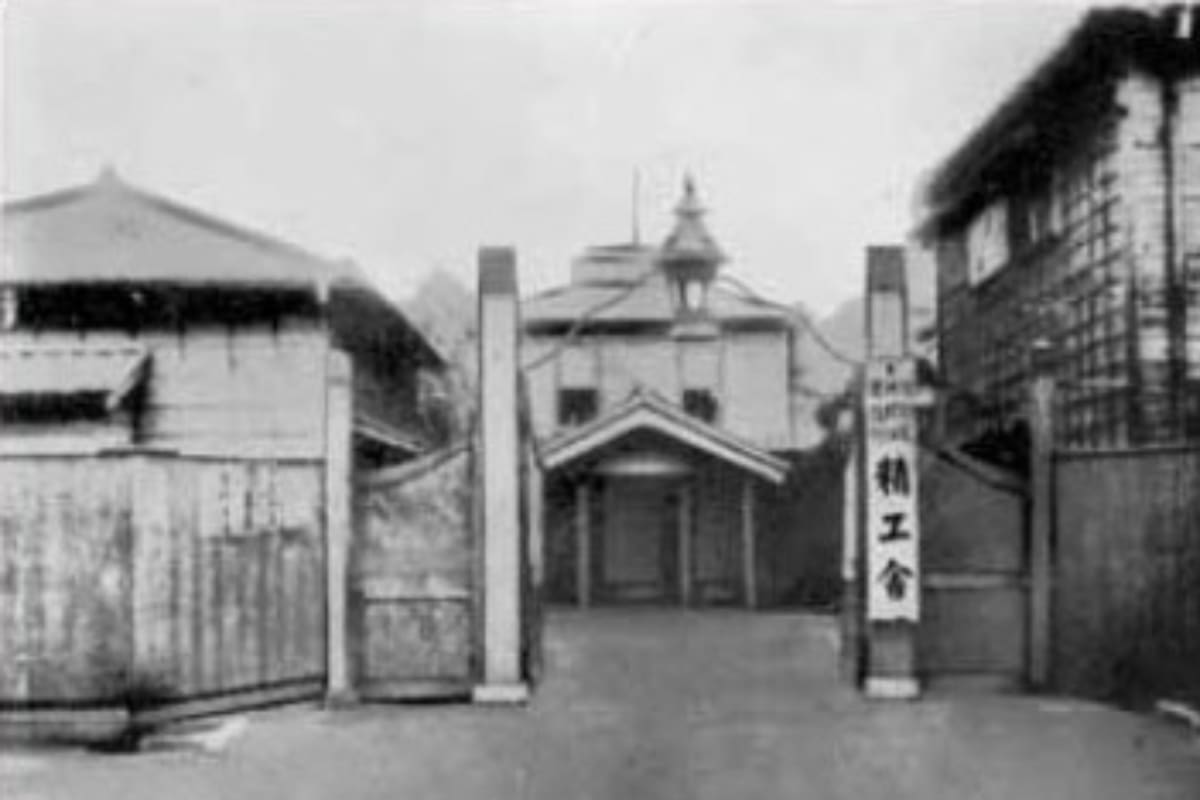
x=500 y=455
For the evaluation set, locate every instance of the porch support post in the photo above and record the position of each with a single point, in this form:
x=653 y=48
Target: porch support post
x=685 y=544
x=503 y=556
x=339 y=432
x=583 y=544
x=749 y=559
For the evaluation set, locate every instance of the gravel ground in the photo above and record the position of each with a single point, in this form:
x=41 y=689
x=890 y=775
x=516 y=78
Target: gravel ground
x=662 y=704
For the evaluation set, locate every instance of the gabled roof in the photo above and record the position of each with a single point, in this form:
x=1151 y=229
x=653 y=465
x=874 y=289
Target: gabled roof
x=110 y=231
x=645 y=411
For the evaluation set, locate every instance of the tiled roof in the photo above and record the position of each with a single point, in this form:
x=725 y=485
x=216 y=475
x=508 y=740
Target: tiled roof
x=648 y=302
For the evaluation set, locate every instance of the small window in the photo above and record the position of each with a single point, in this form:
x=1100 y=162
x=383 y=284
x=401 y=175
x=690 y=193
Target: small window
x=576 y=406
x=700 y=403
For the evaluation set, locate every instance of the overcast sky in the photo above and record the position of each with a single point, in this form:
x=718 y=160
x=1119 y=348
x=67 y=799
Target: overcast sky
x=405 y=135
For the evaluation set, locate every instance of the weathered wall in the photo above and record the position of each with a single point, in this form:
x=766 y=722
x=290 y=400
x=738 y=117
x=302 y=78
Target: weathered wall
x=225 y=391
x=1142 y=172
x=201 y=576
x=1127 y=596
x=413 y=581
x=65 y=556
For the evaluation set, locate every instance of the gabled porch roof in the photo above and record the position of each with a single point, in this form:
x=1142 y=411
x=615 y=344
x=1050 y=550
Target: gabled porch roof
x=645 y=411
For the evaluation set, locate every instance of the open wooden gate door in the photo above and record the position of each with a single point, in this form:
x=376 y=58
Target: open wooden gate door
x=974 y=558
x=412 y=580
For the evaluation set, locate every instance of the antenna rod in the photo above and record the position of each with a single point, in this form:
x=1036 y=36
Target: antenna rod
x=637 y=226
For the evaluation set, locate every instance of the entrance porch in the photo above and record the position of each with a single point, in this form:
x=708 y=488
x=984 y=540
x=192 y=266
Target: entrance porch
x=649 y=505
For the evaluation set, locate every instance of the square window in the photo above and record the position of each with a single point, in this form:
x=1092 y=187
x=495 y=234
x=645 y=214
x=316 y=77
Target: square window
x=700 y=403
x=576 y=406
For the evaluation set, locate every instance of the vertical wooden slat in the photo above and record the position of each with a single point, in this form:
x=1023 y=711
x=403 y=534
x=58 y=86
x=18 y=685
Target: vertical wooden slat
x=264 y=543
x=54 y=659
x=685 y=544
x=749 y=548
x=9 y=571
x=34 y=643
x=277 y=621
x=178 y=622
x=197 y=675
x=583 y=545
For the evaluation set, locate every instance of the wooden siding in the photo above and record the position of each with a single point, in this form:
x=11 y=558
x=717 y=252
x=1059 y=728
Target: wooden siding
x=973 y=558
x=1188 y=172
x=226 y=391
x=1142 y=183
x=1096 y=283
x=754 y=388
x=717 y=542
x=747 y=371
x=1127 y=597
x=65 y=552
x=204 y=576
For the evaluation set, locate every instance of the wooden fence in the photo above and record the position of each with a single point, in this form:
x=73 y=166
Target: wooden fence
x=1127 y=592
x=413 y=582
x=189 y=578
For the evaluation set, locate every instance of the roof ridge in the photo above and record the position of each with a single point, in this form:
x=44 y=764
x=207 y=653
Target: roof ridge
x=204 y=219
x=109 y=183
x=46 y=199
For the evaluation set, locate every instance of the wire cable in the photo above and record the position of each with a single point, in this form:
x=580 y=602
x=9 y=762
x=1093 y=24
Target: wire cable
x=588 y=314
x=793 y=313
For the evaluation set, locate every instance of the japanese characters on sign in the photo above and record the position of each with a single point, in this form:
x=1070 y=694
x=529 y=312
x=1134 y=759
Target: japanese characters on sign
x=893 y=534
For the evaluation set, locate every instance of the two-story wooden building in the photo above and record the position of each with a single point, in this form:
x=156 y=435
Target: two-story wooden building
x=129 y=319
x=184 y=407
x=663 y=404
x=1070 y=220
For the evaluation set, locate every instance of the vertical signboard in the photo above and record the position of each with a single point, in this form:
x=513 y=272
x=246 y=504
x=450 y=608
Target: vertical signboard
x=892 y=527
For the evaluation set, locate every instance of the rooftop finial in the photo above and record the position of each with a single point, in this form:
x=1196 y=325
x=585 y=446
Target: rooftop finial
x=108 y=176
x=689 y=205
x=690 y=240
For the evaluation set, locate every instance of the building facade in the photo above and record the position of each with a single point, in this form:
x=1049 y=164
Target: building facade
x=130 y=320
x=186 y=407
x=663 y=406
x=1069 y=222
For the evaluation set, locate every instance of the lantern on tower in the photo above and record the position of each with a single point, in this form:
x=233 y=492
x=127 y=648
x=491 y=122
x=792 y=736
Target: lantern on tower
x=689 y=259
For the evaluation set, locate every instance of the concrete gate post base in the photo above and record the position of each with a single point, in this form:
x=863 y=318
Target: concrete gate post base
x=342 y=698
x=501 y=694
x=892 y=688
x=892 y=661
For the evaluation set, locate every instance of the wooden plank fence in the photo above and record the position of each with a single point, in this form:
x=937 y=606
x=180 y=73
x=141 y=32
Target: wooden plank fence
x=193 y=578
x=1127 y=592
